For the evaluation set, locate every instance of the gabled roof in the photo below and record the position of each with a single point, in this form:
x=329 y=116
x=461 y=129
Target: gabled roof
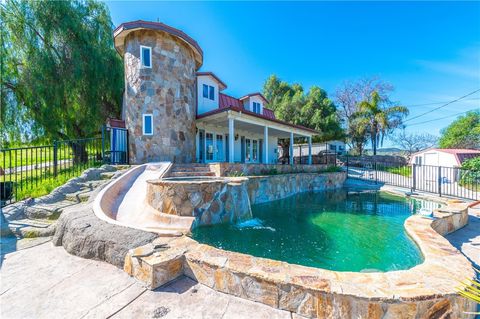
x=254 y=94
x=222 y=84
x=226 y=101
x=124 y=29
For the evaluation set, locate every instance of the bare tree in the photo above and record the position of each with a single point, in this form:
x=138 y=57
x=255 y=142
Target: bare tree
x=414 y=142
x=348 y=98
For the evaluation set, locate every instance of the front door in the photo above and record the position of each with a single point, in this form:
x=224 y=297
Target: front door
x=220 y=149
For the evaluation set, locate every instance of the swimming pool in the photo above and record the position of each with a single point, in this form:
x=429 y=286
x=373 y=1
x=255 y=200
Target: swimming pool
x=338 y=230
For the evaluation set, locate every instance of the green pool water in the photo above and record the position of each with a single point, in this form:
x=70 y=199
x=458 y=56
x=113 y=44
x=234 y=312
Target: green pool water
x=334 y=230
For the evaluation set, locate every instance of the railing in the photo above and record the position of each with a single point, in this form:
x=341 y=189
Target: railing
x=25 y=169
x=444 y=181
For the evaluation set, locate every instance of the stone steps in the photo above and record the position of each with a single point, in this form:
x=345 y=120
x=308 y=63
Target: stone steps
x=187 y=174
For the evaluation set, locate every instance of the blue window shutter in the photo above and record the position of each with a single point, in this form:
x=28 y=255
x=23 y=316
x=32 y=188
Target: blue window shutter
x=212 y=93
x=205 y=91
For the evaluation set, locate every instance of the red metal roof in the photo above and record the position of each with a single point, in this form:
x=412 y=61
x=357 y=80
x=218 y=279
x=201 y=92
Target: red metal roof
x=116 y=123
x=268 y=113
x=227 y=101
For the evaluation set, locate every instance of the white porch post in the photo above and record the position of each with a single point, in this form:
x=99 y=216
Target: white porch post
x=309 y=150
x=231 y=140
x=265 y=144
x=291 y=148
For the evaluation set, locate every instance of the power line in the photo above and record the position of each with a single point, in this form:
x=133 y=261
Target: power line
x=436 y=103
x=441 y=118
x=441 y=106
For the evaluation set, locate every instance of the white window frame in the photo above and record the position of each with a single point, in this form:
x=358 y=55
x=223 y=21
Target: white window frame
x=141 y=57
x=143 y=124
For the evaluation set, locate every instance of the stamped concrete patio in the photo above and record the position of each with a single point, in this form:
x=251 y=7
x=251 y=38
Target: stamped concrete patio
x=46 y=282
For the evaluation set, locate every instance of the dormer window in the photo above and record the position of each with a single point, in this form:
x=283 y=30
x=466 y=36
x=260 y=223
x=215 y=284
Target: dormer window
x=146 y=57
x=256 y=107
x=209 y=92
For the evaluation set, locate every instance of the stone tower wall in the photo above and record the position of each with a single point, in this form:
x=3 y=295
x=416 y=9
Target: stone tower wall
x=167 y=90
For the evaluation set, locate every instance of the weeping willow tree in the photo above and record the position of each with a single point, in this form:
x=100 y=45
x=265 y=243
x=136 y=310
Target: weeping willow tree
x=60 y=75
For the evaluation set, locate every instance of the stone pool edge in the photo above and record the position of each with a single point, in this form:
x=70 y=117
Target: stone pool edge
x=426 y=289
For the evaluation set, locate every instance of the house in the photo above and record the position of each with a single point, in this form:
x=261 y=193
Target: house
x=446 y=157
x=175 y=113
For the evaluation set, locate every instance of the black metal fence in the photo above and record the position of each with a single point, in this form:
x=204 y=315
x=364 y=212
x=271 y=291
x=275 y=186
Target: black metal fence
x=26 y=169
x=444 y=181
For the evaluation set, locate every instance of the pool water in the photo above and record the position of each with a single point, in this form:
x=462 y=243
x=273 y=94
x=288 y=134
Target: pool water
x=337 y=230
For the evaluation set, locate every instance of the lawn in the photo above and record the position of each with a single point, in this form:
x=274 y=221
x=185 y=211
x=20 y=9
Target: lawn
x=399 y=170
x=39 y=182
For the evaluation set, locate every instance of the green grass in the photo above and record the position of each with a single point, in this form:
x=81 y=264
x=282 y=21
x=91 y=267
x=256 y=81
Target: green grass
x=399 y=170
x=35 y=155
x=39 y=182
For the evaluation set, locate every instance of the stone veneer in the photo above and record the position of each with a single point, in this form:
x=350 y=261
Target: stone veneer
x=253 y=169
x=167 y=90
x=209 y=200
x=424 y=291
x=228 y=199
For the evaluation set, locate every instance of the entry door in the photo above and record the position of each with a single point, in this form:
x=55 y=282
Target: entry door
x=220 y=149
x=209 y=147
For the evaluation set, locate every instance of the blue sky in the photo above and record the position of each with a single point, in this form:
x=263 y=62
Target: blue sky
x=429 y=51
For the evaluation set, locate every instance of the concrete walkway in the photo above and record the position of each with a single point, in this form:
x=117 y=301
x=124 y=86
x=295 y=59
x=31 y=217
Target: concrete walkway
x=467 y=239
x=46 y=282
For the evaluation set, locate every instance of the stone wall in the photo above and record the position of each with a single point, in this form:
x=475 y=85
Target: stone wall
x=424 y=291
x=228 y=199
x=227 y=169
x=263 y=189
x=167 y=90
x=210 y=201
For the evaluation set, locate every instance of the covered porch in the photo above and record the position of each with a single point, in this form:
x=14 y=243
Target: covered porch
x=239 y=136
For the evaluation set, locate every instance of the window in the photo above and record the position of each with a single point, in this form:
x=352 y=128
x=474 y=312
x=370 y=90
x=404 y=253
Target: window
x=254 y=150
x=256 y=107
x=209 y=92
x=212 y=93
x=146 y=56
x=418 y=160
x=205 y=91
x=147 y=124
x=247 y=150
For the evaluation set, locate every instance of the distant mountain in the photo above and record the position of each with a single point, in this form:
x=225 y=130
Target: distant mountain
x=386 y=150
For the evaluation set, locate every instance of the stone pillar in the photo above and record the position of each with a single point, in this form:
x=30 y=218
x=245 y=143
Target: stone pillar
x=309 y=150
x=231 y=140
x=265 y=144
x=291 y=148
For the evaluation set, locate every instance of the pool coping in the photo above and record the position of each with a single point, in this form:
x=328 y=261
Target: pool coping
x=316 y=292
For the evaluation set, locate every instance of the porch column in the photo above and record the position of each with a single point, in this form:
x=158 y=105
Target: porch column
x=231 y=140
x=309 y=150
x=265 y=144
x=291 y=148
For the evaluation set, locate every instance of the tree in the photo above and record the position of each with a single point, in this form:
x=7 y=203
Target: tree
x=312 y=109
x=414 y=142
x=348 y=98
x=60 y=72
x=379 y=121
x=464 y=132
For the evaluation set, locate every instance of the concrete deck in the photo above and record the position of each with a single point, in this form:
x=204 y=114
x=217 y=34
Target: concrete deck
x=46 y=282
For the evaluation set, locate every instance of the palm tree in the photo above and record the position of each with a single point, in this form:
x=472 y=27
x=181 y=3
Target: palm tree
x=379 y=121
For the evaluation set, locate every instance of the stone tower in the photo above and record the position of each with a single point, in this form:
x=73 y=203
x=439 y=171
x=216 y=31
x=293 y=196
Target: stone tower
x=159 y=103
